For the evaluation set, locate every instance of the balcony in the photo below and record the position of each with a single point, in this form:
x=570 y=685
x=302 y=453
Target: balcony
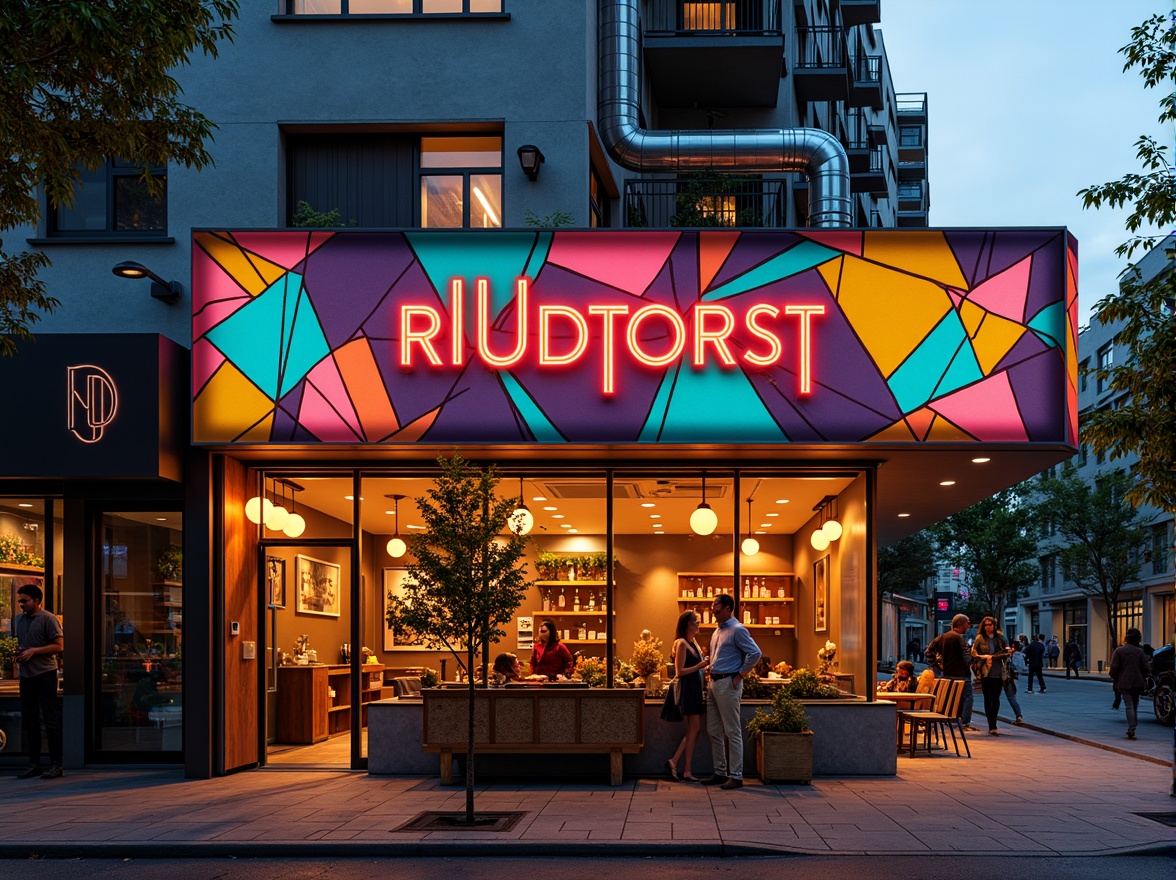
x=913 y=203
x=873 y=179
x=727 y=53
x=820 y=72
x=867 y=82
x=705 y=201
x=857 y=141
x=859 y=12
x=912 y=108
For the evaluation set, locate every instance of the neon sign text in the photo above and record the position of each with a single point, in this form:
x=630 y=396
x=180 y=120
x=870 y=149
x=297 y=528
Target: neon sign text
x=725 y=335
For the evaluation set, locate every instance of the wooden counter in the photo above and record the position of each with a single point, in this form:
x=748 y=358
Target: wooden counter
x=535 y=721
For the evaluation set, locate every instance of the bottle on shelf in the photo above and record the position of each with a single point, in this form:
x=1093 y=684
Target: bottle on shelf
x=576 y=600
x=547 y=600
x=591 y=601
x=746 y=616
x=601 y=633
x=582 y=631
x=710 y=591
x=562 y=599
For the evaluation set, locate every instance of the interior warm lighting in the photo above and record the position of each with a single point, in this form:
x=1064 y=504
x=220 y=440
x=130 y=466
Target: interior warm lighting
x=782 y=500
x=648 y=504
x=981 y=460
x=24 y=504
x=277 y=518
x=947 y=483
x=257 y=508
x=703 y=521
x=819 y=541
x=903 y=515
x=750 y=545
x=832 y=529
x=829 y=529
x=486 y=207
x=396 y=546
x=521 y=519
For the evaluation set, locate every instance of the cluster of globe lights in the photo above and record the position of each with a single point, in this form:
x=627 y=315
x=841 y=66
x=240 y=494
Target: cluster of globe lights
x=825 y=535
x=277 y=518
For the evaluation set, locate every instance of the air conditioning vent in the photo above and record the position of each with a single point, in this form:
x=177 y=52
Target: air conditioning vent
x=588 y=489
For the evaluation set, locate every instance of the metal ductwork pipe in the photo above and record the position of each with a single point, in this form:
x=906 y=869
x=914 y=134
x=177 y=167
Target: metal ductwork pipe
x=815 y=153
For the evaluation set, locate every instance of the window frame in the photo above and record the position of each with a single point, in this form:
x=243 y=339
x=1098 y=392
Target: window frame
x=289 y=7
x=113 y=170
x=466 y=172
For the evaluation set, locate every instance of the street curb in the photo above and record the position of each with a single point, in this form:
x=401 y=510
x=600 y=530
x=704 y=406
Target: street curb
x=1088 y=742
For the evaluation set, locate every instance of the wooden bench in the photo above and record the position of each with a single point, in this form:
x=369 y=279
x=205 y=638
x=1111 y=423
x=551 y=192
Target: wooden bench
x=539 y=720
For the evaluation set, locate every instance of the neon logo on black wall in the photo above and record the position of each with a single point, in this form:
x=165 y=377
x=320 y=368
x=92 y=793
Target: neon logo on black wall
x=92 y=401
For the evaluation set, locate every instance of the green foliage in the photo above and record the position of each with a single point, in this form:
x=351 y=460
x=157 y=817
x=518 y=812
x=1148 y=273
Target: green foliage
x=467 y=579
x=551 y=221
x=806 y=685
x=171 y=563
x=1100 y=536
x=754 y=689
x=82 y=82
x=992 y=539
x=7 y=654
x=591 y=671
x=906 y=564
x=709 y=199
x=623 y=672
x=430 y=677
x=786 y=715
x=306 y=217
x=13 y=550
x=1143 y=420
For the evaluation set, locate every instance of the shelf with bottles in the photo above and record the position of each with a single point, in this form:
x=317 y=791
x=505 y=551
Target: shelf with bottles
x=585 y=632
x=764 y=600
x=572 y=597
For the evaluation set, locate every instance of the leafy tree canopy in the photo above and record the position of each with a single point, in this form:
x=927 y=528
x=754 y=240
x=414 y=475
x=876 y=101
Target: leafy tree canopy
x=1143 y=421
x=905 y=564
x=82 y=81
x=992 y=540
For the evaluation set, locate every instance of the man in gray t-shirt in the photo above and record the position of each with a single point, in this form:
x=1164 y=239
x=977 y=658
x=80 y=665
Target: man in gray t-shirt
x=38 y=642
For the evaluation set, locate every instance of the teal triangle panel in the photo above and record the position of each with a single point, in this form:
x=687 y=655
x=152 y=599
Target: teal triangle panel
x=499 y=257
x=1050 y=324
x=792 y=262
x=691 y=414
x=920 y=377
x=537 y=423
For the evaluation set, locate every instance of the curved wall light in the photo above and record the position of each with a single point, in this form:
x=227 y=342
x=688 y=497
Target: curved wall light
x=167 y=291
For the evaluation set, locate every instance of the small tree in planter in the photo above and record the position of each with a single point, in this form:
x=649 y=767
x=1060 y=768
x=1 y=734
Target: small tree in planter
x=783 y=742
x=467 y=580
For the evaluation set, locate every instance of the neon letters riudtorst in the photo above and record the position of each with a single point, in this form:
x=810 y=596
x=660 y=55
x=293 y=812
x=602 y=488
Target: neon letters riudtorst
x=563 y=333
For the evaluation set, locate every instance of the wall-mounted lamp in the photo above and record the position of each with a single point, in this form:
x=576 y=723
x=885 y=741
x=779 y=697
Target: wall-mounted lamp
x=750 y=545
x=396 y=545
x=703 y=521
x=530 y=158
x=830 y=529
x=168 y=291
x=521 y=519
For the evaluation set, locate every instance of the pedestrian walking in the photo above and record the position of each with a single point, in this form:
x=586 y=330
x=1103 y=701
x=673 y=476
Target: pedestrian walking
x=990 y=653
x=1053 y=651
x=1072 y=656
x=733 y=654
x=949 y=652
x=1016 y=668
x=914 y=650
x=1035 y=660
x=1129 y=670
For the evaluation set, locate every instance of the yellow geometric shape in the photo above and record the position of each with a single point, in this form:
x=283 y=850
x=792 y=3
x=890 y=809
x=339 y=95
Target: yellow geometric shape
x=971 y=316
x=996 y=337
x=943 y=431
x=891 y=312
x=831 y=272
x=228 y=406
x=252 y=272
x=899 y=432
x=920 y=253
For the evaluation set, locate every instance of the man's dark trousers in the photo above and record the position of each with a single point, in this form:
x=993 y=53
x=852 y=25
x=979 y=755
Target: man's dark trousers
x=38 y=701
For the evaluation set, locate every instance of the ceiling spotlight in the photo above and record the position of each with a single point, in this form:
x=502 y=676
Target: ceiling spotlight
x=703 y=521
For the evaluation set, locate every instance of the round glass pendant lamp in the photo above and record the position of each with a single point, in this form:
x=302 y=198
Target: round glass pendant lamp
x=521 y=519
x=819 y=540
x=396 y=546
x=703 y=520
x=832 y=530
x=257 y=508
x=750 y=545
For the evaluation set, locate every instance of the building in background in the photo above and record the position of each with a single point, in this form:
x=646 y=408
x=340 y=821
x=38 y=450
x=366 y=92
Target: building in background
x=1057 y=607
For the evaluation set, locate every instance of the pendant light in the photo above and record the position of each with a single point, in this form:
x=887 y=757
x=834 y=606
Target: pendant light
x=295 y=524
x=750 y=545
x=396 y=545
x=257 y=508
x=829 y=529
x=521 y=519
x=277 y=516
x=832 y=528
x=703 y=521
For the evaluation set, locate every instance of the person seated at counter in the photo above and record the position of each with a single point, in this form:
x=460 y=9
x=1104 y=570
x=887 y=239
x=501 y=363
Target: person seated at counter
x=551 y=657
x=904 y=681
x=508 y=668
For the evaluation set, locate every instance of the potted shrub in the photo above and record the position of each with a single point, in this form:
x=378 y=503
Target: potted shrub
x=648 y=661
x=783 y=742
x=548 y=565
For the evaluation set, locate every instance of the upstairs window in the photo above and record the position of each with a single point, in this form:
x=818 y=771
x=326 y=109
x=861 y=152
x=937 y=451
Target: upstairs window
x=1106 y=360
x=391 y=7
x=112 y=199
x=461 y=182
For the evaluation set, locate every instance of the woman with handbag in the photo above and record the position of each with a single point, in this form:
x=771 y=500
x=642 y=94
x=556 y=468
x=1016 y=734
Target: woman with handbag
x=685 y=697
x=990 y=653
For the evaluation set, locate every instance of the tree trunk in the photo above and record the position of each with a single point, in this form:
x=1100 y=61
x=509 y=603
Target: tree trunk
x=470 y=735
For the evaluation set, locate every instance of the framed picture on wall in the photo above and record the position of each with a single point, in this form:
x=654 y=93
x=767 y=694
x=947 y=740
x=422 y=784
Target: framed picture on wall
x=821 y=594
x=397 y=639
x=319 y=590
x=275 y=581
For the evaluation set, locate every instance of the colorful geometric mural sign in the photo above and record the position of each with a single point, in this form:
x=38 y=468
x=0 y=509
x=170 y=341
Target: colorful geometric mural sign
x=808 y=336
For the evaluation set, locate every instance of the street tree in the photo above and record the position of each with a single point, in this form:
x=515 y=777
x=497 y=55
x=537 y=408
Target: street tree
x=82 y=82
x=1143 y=420
x=466 y=579
x=1099 y=534
x=993 y=540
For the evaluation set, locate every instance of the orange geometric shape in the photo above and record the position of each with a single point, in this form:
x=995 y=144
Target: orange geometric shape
x=713 y=250
x=891 y=312
x=361 y=375
x=943 y=431
x=899 y=432
x=925 y=254
x=920 y=420
x=971 y=315
x=415 y=430
x=831 y=272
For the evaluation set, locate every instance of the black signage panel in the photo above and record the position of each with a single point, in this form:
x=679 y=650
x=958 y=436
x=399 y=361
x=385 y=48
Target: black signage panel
x=94 y=405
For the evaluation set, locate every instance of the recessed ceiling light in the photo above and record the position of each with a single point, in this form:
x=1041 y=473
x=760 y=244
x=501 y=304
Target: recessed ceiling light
x=390 y=512
x=539 y=498
x=947 y=482
x=24 y=504
x=901 y=515
x=573 y=531
x=655 y=516
x=565 y=525
x=557 y=516
x=421 y=528
x=760 y=532
x=351 y=498
x=551 y=508
x=648 y=504
x=781 y=500
x=161 y=519
x=981 y=460
x=771 y=514
x=765 y=525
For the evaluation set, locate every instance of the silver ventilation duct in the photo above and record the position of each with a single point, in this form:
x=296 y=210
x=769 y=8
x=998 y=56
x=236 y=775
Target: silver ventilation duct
x=816 y=153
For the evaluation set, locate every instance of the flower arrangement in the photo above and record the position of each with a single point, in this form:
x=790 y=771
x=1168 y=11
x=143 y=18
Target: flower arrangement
x=647 y=654
x=624 y=672
x=13 y=550
x=827 y=655
x=430 y=678
x=591 y=671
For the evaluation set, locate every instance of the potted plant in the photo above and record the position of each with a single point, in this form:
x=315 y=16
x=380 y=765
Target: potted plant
x=171 y=564
x=783 y=741
x=807 y=685
x=591 y=671
x=548 y=565
x=7 y=655
x=648 y=661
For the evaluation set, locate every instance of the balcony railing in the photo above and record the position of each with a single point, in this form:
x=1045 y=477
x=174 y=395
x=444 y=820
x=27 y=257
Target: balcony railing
x=820 y=48
x=693 y=18
x=912 y=106
x=712 y=201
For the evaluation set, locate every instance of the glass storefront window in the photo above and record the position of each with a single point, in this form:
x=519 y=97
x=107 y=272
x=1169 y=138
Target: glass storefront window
x=141 y=621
